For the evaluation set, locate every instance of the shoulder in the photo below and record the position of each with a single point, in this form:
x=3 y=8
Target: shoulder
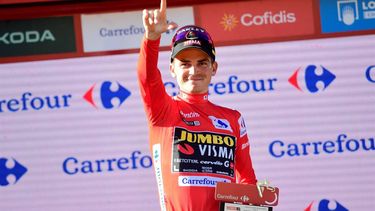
x=229 y=111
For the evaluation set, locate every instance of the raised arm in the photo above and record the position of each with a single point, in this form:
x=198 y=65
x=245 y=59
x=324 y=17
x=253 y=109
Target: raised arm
x=156 y=100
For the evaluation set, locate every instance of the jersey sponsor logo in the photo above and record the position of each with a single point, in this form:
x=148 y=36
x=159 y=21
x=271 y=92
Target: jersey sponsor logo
x=9 y=168
x=191 y=114
x=242 y=124
x=222 y=124
x=203 y=152
x=200 y=181
x=156 y=153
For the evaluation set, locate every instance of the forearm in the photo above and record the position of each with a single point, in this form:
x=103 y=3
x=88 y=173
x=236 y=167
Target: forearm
x=150 y=82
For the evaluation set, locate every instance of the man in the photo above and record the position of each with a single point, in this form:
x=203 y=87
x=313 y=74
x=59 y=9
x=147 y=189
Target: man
x=194 y=143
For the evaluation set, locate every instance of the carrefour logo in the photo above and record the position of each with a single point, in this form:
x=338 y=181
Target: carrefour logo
x=11 y=171
x=136 y=160
x=107 y=94
x=327 y=205
x=28 y=101
x=342 y=143
x=313 y=79
x=370 y=74
x=232 y=85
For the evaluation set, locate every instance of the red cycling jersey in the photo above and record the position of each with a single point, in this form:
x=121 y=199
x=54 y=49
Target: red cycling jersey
x=194 y=143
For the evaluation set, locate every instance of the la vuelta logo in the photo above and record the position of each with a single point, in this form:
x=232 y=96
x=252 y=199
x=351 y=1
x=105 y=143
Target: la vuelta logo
x=312 y=76
x=326 y=205
x=106 y=94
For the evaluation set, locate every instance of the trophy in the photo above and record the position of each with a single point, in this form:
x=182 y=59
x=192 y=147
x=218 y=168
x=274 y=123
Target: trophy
x=246 y=197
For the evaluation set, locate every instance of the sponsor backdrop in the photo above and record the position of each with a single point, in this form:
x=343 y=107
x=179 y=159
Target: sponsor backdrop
x=73 y=133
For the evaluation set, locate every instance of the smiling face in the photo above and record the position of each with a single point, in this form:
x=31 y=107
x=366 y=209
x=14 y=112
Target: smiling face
x=193 y=70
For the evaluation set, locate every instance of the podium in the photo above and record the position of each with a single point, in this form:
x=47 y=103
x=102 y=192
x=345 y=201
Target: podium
x=245 y=197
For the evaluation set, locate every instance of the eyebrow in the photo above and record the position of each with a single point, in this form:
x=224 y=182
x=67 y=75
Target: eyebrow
x=201 y=60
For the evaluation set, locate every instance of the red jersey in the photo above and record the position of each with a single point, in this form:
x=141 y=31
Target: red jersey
x=194 y=143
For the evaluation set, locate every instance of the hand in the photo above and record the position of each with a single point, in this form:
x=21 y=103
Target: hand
x=155 y=21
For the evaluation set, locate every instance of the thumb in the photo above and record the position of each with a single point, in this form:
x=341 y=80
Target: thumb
x=172 y=25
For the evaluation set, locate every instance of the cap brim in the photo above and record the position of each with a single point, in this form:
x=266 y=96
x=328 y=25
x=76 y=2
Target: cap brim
x=180 y=47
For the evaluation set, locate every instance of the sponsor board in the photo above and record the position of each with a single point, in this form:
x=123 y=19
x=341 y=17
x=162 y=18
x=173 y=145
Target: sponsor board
x=124 y=30
x=37 y=36
x=253 y=20
x=347 y=15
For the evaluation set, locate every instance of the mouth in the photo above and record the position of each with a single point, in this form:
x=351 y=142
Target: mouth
x=195 y=78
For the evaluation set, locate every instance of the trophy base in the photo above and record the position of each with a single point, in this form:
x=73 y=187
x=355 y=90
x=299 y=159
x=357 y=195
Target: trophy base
x=225 y=206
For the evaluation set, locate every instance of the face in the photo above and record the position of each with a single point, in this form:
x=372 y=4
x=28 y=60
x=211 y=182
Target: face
x=193 y=70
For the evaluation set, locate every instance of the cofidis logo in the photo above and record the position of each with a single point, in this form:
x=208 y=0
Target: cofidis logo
x=307 y=79
x=10 y=169
x=347 y=15
x=326 y=205
x=252 y=20
x=106 y=94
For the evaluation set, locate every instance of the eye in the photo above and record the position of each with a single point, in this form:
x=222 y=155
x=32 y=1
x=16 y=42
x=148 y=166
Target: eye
x=204 y=64
x=184 y=65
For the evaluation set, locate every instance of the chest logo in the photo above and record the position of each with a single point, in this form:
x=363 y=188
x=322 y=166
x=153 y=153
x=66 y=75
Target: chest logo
x=222 y=124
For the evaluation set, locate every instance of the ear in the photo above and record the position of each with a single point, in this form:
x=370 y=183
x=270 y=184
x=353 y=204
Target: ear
x=171 y=70
x=215 y=65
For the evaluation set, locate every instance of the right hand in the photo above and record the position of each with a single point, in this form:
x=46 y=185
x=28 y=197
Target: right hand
x=155 y=21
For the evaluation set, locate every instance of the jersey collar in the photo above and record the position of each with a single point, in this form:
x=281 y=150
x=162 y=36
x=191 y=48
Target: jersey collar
x=193 y=98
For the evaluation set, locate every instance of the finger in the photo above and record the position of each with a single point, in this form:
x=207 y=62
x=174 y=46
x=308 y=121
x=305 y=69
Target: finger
x=157 y=16
x=150 y=17
x=172 y=25
x=163 y=6
x=145 y=17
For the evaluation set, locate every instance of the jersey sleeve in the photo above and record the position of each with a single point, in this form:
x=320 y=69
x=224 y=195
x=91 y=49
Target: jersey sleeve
x=156 y=101
x=244 y=168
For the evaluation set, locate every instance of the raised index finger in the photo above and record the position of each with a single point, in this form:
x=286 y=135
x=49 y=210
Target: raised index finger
x=163 y=6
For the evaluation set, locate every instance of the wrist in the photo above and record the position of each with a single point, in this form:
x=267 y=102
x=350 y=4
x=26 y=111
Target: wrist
x=152 y=36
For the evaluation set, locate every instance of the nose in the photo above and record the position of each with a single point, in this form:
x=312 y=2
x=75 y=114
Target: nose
x=193 y=70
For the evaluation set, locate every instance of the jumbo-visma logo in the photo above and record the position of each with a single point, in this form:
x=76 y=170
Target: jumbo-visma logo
x=326 y=205
x=11 y=171
x=107 y=95
x=312 y=78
